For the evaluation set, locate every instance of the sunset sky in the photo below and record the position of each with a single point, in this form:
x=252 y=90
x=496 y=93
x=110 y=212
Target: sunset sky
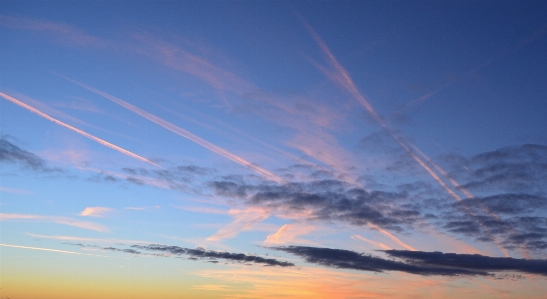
x=273 y=149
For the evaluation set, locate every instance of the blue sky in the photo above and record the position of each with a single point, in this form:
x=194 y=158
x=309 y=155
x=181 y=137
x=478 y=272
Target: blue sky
x=200 y=148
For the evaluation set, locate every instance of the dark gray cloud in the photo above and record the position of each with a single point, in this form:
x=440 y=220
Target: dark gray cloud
x=180 y=178
x=513 y=169
x=204 y=254
x=470 y=261
x=506 y=203
x=416 y=262
x=10 y=153
x=329 y=200
x=347 y=259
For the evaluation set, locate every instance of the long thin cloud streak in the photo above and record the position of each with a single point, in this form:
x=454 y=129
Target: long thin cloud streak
x=99 y=140
x=344 y=79
x=361 y=238
x=182 y=132
x=52 y=250
x=392 y=237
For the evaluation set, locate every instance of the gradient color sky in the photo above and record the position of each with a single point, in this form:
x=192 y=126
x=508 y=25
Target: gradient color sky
x=355 y=149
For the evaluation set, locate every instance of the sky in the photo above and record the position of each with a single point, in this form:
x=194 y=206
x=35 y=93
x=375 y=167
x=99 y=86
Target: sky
x=280 y=149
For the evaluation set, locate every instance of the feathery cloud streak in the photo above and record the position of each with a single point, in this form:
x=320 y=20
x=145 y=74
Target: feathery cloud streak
x=103 y=142
x=51 y=250
x=56 y=219
x=182 y=132
x=342 y=77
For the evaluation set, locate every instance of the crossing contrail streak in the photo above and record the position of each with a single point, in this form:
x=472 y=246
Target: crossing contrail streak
x=392 y=237
x=342 y=77
x=52 y=250
x=182 y=132
x=99 y=140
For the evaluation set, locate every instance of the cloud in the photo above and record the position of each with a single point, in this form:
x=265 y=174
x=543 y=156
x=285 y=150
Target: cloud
x=56 y=219
x=513 y=169
x=325 y=200
x=471 y=261
x=184 y=133
x=85 y=134
x=64 y=33
x=346 y=259
x=361 y=238
x=95 y=211
x=289 y=233
x=83 y=239
x=10 y=153
x=243 y=220
x=506 y=203
x=204 y=254
x=417 y=262
x=48 y=249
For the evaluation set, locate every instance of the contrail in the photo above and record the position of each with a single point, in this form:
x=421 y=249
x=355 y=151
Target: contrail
x=392 y=237
x=343 y=78
x=53 y=250
x=381 y=245
x=105 y=143
x=182 y=132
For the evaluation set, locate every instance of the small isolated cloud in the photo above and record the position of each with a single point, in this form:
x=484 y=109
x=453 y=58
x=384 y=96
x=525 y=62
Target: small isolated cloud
x=95 y=211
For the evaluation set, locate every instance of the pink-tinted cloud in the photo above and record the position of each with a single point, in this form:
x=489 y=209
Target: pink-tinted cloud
x=95 y=211
x=179 y=59
x=184 y=133
x=288 y=234
x=56 y=219
x=243 y=220
x=392 y=237
x=63 y=33
x=94 y=138
x=94 y=240
x=378 y=244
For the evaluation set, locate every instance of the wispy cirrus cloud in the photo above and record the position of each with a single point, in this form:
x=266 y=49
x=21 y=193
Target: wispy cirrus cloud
x=84 y=239
x=49 y=249
x=63 y=33
x=85 y=134
x=55 y=219
x=243 y=220
x=378 y=244
x=184 y=133
x=289 y=233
